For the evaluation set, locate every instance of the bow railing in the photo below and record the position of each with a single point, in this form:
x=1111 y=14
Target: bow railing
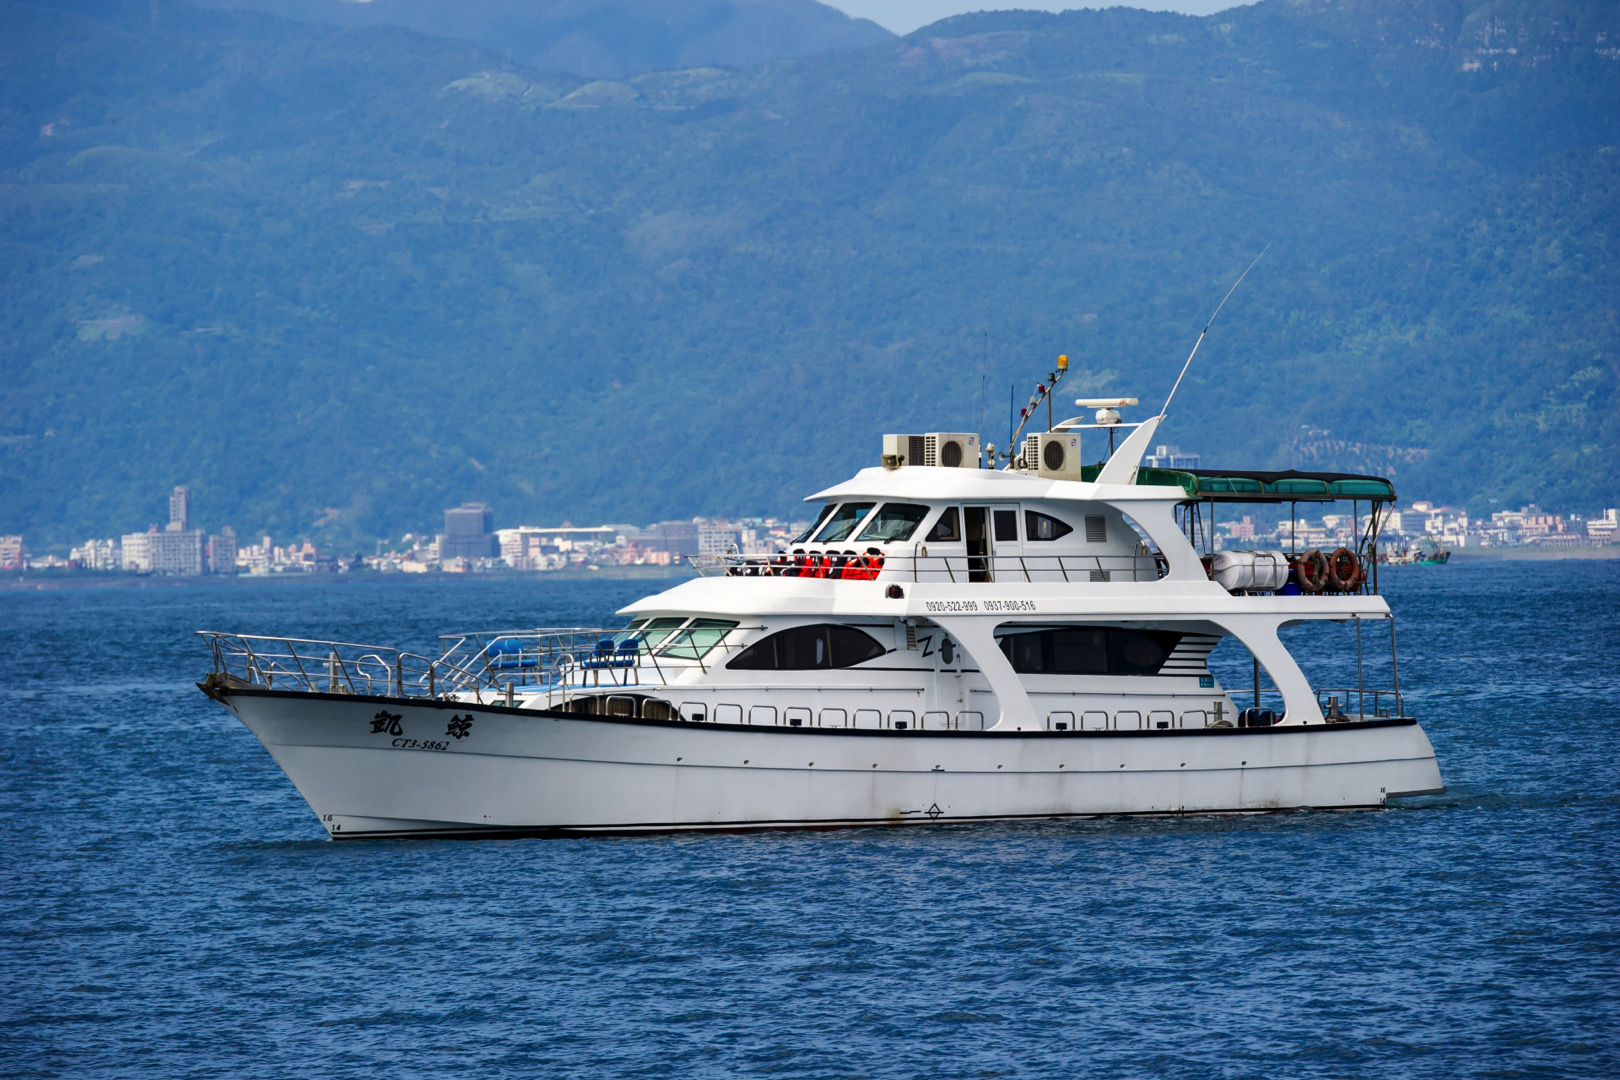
x=483 y=664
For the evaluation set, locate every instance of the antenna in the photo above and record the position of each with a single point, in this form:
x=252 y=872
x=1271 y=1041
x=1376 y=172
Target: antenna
x=984 y=375
x=1207 y=324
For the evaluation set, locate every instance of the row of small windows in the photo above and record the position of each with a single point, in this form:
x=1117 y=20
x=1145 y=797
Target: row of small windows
x=837 y=523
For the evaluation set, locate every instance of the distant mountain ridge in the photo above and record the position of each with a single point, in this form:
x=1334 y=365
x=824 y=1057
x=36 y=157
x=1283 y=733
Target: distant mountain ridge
x=606 y=38
x=354 y=275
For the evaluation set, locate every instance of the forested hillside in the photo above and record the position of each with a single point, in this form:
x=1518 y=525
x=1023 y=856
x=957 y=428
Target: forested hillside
x=353 y=275
x=606 y=38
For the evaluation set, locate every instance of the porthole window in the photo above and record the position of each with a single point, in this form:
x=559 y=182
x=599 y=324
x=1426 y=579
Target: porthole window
x=1043 y=526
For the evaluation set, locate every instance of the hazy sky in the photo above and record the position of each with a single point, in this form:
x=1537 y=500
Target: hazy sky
x=904 y=16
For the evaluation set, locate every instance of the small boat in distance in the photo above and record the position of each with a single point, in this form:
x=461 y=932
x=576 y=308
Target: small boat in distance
x=1416 y=555
x=963 y=634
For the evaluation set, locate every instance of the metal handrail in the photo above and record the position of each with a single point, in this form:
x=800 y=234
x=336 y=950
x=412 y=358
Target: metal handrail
x=853 y=565
x=471 y=663
x=1396 y=710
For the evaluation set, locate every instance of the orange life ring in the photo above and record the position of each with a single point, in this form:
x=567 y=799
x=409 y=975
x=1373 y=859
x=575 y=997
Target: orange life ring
x=1344 y=570
x=1311 y=570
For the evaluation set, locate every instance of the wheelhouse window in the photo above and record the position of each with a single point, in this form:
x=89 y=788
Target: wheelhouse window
x=697 y=639
x=1088 y=650
x=804 y=648
x=842 y=522
x=814 y=525
x=1006 y=526
x=948 y=529
x=654 y=631
x=893 y=521
x=1039 y=526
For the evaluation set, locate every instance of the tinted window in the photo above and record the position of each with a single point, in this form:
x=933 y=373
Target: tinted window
x=804 y=648
x=946 y=530
x=1006 y=525
x=1088 y=650
x=851 y=646
x=1042 y=527
x=1080 y=651
x=814 y=525
x=1026 y=651
x=1139 y=652
x=842 y=523
x=893 y=521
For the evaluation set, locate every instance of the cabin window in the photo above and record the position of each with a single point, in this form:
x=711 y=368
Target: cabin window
x=803 y=648
x=948 y=529
x=893 y=521
x=1088 y=650
x=1006 y=526
x=814 y=525
x=697 y=640
x=842 y=522
x=656 y=630
x=1043 y=527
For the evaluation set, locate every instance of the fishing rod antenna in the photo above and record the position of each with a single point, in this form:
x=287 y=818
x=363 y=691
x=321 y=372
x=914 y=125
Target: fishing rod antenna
x=1207 y=324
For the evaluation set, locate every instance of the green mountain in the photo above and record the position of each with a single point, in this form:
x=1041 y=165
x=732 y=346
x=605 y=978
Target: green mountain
x=349 y=276
x=606 y=39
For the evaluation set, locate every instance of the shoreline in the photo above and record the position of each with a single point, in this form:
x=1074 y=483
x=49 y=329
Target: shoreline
x=1608 y=551
x=48 y=581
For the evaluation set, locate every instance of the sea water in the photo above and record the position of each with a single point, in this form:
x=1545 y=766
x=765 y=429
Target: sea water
x=172 y=908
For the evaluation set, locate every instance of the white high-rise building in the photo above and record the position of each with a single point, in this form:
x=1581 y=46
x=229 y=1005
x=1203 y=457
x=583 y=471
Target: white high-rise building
x=137 y=551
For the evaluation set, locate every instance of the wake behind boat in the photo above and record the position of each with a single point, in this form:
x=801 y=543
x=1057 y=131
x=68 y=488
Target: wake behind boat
x=948 y=642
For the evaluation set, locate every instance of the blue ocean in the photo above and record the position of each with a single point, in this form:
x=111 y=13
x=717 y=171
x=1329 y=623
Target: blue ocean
x=173 y=909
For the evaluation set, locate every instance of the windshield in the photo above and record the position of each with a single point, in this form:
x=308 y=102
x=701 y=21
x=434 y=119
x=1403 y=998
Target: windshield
x=657 y=630
x=814 y=525
x=842 y=523
x=894 y=521
x=694 y=642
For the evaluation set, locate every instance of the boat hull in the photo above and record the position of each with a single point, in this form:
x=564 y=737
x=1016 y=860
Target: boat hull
x=388 y=767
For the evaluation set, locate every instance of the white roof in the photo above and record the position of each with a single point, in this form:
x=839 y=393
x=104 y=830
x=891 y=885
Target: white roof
x=933 y=483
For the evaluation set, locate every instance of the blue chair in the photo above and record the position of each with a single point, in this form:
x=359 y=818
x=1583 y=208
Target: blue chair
x=506 y=654
x=603 y=657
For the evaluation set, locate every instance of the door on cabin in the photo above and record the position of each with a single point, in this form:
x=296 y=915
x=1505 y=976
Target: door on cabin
x=976 y=529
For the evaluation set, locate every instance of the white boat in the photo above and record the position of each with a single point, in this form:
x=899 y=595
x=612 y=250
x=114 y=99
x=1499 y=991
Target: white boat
x=949 y=642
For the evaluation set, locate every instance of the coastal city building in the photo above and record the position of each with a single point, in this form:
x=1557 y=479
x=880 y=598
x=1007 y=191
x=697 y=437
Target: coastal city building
x=471 y=543
x=1170 y=457
x=469 y=533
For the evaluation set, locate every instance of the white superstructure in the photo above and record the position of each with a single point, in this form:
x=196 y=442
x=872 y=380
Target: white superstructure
x=947 y=642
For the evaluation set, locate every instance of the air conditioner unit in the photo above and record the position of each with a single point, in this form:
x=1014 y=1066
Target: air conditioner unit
x=1054 y=454
x=951 y=450
x=901 y=450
